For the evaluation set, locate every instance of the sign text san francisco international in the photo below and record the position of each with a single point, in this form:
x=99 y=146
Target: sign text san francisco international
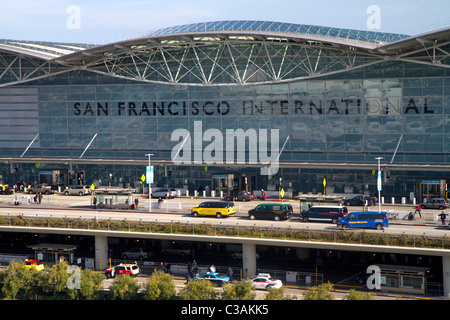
x=350 y=106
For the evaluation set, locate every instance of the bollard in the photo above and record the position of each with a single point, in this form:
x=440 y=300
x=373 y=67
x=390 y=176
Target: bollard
x=392 y=200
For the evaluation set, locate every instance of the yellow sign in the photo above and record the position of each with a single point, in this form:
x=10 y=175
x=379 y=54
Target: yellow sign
x=282 y=193
x=324 y=182
x=143 y=178
x=38 y=165
x=92 y=187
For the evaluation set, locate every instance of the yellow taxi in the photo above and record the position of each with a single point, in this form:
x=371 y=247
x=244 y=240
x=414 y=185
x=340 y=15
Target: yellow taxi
x=214 y=208
x=33 y=264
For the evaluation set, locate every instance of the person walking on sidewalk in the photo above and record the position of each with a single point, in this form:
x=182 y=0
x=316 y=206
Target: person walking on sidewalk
x=418 y=210
x=443 y=216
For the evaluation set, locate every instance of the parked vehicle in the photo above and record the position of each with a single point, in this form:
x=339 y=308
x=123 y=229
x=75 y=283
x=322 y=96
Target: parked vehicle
x=6 y=189
x=265 y=281
x=137 y=254
x=377 y=220
x=435 y=203
x=214 y=208
x=178 y=249
x=131 y=269
x=40 y=188
x=324 y=213
x=214 y=278
x=239 y=196
x=77 y=190
x=166 y=193
x=271 y=211
x=238 y=255
x=360 y=201
x=33 y=264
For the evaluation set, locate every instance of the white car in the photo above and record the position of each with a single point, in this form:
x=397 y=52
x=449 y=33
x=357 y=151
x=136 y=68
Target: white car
x=264 y=281
x=123 y=268
x=166 y=193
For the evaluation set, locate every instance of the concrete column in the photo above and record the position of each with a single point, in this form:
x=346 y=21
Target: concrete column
x=101 y=253
x=446 y=275
x=248 y=260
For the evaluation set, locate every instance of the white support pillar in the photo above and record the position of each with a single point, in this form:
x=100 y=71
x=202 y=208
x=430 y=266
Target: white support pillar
x=248 y=260
x=446 y=275
x=101 y=253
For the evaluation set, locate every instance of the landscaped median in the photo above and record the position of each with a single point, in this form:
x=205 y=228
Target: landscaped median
x=281 y=233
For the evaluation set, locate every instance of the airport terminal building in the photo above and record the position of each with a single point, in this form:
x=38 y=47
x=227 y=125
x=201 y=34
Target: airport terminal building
x=216 y=104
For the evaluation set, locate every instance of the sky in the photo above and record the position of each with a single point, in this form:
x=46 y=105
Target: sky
x=101 y=21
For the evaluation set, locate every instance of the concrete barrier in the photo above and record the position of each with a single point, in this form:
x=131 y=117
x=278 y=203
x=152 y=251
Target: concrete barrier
x=165 y=205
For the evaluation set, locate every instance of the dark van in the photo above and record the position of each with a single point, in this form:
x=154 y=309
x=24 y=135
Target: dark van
x=377 y=220
x=324 y=213
x=271 y=211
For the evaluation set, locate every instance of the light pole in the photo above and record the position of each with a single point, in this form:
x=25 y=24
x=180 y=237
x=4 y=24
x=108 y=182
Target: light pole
x=149 y=181
x=379 y=184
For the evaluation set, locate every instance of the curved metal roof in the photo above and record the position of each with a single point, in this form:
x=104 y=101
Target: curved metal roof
x=270 y=26
x=41 y=49
x=229 y=52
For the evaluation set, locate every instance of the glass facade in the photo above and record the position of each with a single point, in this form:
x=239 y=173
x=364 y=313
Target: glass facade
x=386 y=109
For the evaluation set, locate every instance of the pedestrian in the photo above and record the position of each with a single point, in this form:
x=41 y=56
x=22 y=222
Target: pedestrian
x=160 y=201
x=230 y=273
x=212 y=269
x=418 y=210
x=443 y=216
x=136 y=203
x=94 y=202
x=40 y=197
x=263 y=195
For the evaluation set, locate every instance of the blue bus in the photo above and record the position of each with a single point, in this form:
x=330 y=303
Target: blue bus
x=376 y=220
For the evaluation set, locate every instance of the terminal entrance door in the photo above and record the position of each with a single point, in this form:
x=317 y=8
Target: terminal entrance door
x=222 y=183
x=54 y=177
x=431 y=188
x=233 y=182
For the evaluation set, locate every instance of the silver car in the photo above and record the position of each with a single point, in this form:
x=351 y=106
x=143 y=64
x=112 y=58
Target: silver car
x=166 y=193
x=77 y=191
x=137 y=253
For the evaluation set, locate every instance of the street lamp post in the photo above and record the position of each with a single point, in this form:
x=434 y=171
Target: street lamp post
x=379 y=184
x=149 y=183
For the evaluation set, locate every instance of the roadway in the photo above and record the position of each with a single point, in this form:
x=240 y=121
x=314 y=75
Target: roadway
x=60 y=206
x=292 y=291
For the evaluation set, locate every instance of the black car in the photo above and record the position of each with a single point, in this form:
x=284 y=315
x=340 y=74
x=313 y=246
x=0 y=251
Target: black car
x=359 y=201
x=239 y=196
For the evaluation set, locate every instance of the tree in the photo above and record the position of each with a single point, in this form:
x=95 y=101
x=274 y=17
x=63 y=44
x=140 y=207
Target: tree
x=124 y=287
x=53 y=281
x=356 y=295
x=91 y=284
x=160 y=286
x=321 y=292
x=241 y=290
x=198 y=289
x=17 y=281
